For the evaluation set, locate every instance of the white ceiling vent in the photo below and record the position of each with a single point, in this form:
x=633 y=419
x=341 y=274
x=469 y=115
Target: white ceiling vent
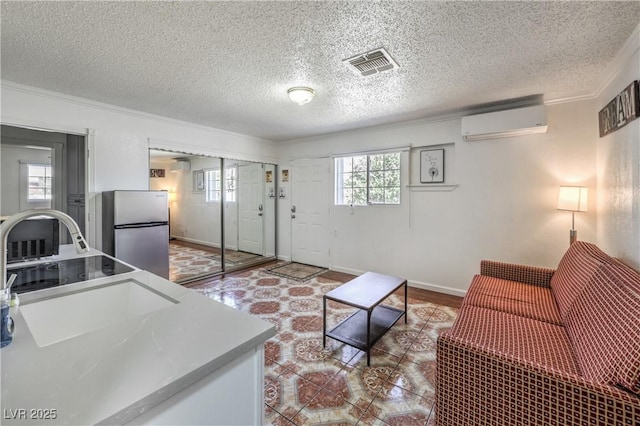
x=372 y=62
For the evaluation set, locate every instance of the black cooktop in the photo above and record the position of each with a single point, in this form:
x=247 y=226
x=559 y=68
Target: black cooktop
x=54 y=274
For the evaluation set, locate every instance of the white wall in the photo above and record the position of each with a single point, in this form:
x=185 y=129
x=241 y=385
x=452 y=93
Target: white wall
x=504 y=207
x=619 y=168
x=121 y=137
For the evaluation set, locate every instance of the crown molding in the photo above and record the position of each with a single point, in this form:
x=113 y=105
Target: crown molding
x=36 y=91
x=179 y=148
x=575 y=97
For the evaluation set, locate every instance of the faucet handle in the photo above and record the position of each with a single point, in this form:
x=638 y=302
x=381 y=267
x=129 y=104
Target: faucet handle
x=10 y=281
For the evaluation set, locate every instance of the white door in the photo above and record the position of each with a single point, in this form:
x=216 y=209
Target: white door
x=250 y=208
x=310 y=190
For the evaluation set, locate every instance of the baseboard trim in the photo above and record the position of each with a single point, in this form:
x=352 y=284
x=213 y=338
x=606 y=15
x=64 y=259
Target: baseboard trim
x=195 y=241
x=438 y=288
x=411 y=283
x=202 y=243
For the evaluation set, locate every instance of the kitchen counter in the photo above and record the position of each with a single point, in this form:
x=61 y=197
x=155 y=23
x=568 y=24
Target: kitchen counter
x=113 y=374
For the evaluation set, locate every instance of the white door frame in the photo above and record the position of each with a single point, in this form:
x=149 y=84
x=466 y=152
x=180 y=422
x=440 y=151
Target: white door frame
x=90 y=212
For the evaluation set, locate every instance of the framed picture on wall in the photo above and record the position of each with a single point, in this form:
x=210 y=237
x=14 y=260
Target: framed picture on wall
x=198 y=181
x=156 y=173
x=432 y=166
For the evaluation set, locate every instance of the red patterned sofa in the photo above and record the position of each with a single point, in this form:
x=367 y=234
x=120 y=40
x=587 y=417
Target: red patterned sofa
x=536 y=346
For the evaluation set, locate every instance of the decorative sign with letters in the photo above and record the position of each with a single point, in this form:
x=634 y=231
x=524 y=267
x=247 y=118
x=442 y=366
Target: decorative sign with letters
x=156 y=173
x=623 y=109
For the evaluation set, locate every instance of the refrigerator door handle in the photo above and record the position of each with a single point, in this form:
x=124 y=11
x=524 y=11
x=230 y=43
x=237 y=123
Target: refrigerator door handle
x=140 y=225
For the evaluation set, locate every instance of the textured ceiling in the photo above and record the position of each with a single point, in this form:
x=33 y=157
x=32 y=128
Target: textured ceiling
x=229 y=64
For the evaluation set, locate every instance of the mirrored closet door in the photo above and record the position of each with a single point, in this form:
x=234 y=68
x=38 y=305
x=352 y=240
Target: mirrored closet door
x=222 y=212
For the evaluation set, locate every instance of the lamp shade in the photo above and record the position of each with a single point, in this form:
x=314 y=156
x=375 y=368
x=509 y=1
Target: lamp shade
x=301 y=95
x=573 y=198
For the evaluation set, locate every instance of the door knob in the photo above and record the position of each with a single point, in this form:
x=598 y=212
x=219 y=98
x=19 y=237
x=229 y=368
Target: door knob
x=293 y=209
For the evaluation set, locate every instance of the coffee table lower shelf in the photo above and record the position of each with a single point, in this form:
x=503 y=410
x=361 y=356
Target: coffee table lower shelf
x=353 y=329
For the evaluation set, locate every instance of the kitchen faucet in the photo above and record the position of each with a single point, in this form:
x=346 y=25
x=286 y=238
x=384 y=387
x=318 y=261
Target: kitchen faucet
x=76 y=237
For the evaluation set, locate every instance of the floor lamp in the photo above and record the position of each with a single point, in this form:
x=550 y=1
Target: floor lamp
x=573 y=199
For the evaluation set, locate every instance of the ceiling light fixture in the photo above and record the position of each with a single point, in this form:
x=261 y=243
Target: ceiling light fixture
x=301 y=95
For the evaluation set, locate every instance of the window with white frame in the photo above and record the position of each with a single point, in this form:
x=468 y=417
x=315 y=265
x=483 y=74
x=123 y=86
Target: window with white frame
x=213 y=185
x=368 y=179
x=39 y=178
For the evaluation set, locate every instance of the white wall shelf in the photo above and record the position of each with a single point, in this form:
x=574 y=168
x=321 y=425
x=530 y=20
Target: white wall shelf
x=432 y=187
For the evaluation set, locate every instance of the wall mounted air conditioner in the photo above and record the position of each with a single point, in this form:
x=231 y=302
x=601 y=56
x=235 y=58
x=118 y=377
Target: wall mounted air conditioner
x=503 y=124
x=180 y=166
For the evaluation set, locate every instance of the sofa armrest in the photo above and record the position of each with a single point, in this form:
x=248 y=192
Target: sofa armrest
x=533 y=275
x=477 y=386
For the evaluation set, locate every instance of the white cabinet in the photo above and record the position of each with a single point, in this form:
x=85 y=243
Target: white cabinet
x=232 y=395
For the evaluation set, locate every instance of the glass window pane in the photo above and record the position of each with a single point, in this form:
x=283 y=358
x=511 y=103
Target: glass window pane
x=360 y=179
x=376 y=179
x=392 y=161
x=368 y=179
x=392 y=178
x=36 y=193
x=212 y=185
x=376 y=195
x=392 y=196
x=39 y=181
x=376 y=162
x=360 y=196
x=360 y=163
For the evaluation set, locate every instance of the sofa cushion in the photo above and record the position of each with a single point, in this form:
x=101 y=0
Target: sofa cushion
x=604 y=326
x=524 y=338
x=575 y=270
x=527 y=300
x=526 y=274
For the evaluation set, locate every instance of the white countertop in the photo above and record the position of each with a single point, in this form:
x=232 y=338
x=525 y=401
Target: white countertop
x=113 y=374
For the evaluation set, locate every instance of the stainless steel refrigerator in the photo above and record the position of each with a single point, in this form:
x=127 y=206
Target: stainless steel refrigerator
x=135 y=229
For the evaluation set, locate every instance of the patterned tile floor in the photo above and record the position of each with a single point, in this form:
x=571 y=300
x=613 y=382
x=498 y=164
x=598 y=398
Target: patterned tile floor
x=306 y=384
x=189 y=262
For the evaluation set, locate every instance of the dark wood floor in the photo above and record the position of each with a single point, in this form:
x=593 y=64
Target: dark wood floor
x=415 y=293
